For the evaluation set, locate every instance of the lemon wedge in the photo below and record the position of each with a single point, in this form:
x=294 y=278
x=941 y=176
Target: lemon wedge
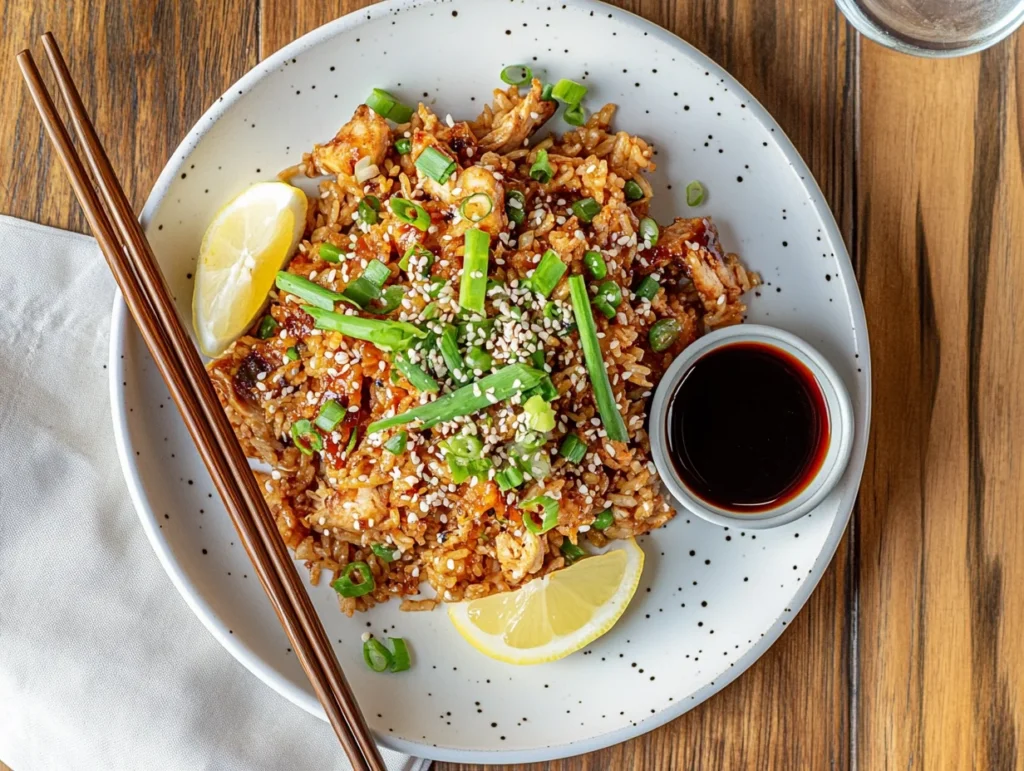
x=248 y=241
x=556 y=615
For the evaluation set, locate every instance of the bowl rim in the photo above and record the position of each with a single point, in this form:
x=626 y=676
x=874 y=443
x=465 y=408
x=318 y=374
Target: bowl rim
x=837 y=400
x=263 y=670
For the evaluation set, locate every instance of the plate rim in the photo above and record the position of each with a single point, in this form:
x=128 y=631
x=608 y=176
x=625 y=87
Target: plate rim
x=271 y=676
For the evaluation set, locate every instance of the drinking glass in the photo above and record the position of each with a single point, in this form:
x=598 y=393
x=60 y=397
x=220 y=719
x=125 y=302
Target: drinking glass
x=936 y=28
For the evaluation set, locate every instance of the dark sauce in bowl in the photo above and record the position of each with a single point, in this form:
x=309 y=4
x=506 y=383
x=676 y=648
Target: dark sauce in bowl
x=748 y=427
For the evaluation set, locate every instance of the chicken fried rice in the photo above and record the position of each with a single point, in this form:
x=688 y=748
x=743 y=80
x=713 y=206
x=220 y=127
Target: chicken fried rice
x=450 y=383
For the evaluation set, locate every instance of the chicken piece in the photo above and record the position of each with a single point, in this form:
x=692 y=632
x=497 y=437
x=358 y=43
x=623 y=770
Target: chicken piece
x=517 y=558
x=518 y=124
x=344 y=508
x=691 y=247
x=478 y=180
x=367 y=135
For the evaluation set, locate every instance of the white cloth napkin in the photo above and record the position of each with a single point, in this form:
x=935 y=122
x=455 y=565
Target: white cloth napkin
x=102 y=665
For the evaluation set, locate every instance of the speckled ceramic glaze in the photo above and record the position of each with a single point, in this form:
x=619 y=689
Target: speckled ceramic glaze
x=711 y=599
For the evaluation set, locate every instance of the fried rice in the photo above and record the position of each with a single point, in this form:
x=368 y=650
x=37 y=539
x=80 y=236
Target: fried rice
x=424 y=536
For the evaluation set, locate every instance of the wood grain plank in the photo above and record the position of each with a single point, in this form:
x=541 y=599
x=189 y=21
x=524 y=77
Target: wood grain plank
x=151 y=66
x=941 y=644
x=792 y=709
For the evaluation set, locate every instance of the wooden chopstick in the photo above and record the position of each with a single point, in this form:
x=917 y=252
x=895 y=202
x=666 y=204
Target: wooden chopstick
x=131 y=260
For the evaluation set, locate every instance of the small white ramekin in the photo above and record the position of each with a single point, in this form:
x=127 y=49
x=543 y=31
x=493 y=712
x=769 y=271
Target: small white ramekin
x=840 y=420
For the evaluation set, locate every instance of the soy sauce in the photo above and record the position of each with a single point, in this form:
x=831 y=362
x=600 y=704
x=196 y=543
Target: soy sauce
x=748 y=427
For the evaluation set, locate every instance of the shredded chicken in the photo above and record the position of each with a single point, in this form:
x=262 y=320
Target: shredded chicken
x=367 y=135
x=477 y=179
x=519 y=124
x=520 y=558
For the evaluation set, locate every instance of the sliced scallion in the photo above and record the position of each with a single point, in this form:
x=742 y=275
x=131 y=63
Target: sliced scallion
x=572 y=448
x=569 y=91
x=611 y=293
x=648 y=288
x=586 y=209
x=451 y=355
x=306 y=438
x=419 y=253
x=292 y=354
x=496 y=387
x=478 y=359
x=403 y=146
x=508 y=478
x=347 y=587
x=435 y=164
x=541 y=170
x=382 y=551
x=605 y=307
x=396 y=445
x=368 y=208
x=464 y=445
x=267 y=327
x=329 y=252
x=571 y=552
x=331 y=414
x=351 y=444
x=575 y=115
x=517 y=75
x=548 y=273
x=308 y=290
x=415 y=374
x=386 y=106
x=476 y=207
x=410 y=213
x=400 y=660
x=539 y=415
x=548 y=507
x=385 y=334
x=390 y=299
x=609 y=411
x=473 y=287
x=604 y=520
x=376 y=655
x=694 y=193
x=545 y=92
x=515 y=206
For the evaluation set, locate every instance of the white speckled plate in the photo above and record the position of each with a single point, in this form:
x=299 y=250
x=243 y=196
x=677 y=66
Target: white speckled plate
x=721 y=597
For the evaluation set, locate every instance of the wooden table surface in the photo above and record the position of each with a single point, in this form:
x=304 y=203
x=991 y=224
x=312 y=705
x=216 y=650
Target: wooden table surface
x=910 y=653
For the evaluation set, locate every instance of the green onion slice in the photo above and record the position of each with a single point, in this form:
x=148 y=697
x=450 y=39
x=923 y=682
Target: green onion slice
x=571 y=552
x=648 y=288
x=368 y=208
x=400 y=660
x=515 y=206
x=331 y=414
x=292 y=353
x=329 y=252
x=603 y=520
x=649 y=231
x=382 y=551
x=548 y=273
x=415 y=374
x=575 y=115
x=478 y=359
x=694 y=193
x=410 y=213
x=385 y=334
x=610 y=417
x=451 y=355
x=569 y=91
x=476 y=207
x=573 y=449
x=403 y=145
x=595 y=264
x=430 y=312
x=539 y=415
x=396 y=445
x=267 y=327
x=462 y=469
x=392 y=297
x=508 y=478
x=541 y=170
x=435 y=164
x=347 y=587
x=309 y=291
x=306 y=438
x=586 y=209
x=549 y=516
x=464 y=445
x=545 y=92
x=633 y=190
x=386 y=106
x=418 y=251
x=517 y=75
x=496 y=387
x=663 y=334
x=352 y=437
x=473 y=288
x=605 y=307
x=376 y=655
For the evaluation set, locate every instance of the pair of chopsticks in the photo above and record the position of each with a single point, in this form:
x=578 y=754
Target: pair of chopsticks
x=131 y=260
